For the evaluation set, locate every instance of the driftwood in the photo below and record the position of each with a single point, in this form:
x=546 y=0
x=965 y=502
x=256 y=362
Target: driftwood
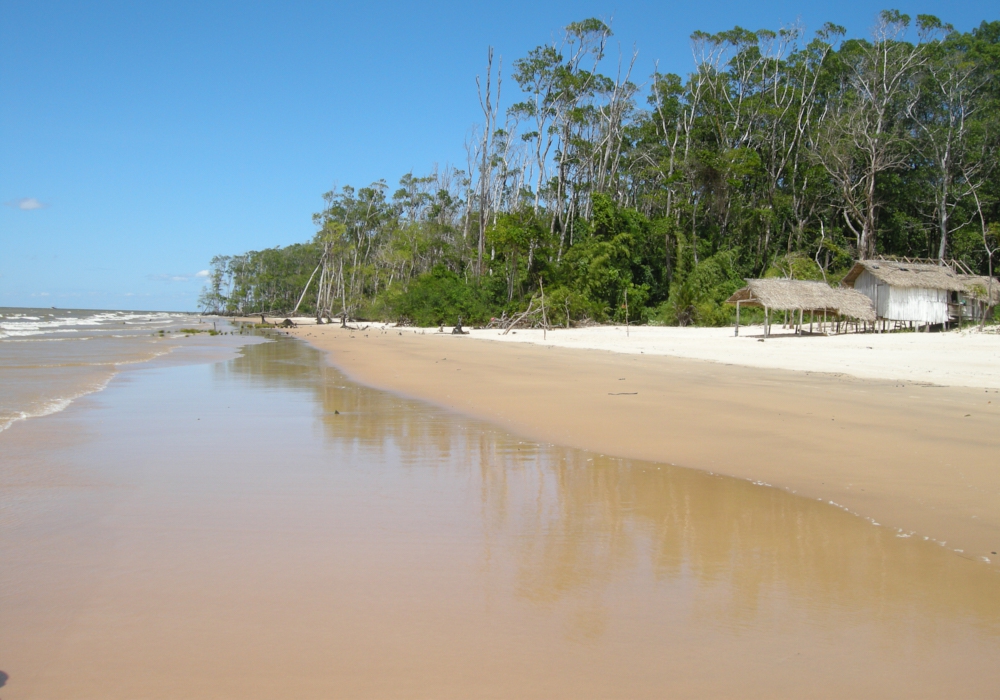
x=498 y=322
x=344 y=324
x=537 y=315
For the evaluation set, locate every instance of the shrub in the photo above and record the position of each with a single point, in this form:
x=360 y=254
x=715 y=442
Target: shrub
x=561 y=301
x=795 y=266
x=440 y=296
x=699 y=297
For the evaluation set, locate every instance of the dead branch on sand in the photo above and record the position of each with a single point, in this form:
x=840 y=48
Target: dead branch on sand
x=535 y=315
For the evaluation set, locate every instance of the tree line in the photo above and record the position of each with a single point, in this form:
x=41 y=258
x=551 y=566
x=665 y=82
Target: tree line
x=779 y=154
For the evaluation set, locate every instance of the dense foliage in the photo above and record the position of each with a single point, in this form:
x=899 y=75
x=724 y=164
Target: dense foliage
x=777 y=155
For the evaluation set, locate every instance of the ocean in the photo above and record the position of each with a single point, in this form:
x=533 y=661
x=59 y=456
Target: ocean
x=51 y=357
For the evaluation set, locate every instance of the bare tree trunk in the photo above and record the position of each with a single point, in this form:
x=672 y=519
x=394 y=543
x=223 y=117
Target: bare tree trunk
x=490 y=109
x=306 y=288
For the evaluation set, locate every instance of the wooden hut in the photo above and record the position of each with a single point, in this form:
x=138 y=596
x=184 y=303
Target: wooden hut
x=803 y=297
x=982 y=294
x=922 y=292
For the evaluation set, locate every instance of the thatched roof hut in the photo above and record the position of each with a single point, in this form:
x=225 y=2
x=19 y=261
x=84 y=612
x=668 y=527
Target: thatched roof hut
x=802 y=296
x=922 y=291
x=795 y=295
x=908 y=275
x=979 y=287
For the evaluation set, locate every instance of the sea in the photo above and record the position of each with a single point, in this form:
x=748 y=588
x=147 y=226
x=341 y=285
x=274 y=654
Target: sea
x=51 y=357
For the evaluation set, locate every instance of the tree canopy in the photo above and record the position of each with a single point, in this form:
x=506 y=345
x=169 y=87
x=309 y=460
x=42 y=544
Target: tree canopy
x=778 y=154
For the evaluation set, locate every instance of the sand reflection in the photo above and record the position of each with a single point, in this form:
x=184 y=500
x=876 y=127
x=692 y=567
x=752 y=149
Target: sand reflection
x=274 y=530
x=575 y=523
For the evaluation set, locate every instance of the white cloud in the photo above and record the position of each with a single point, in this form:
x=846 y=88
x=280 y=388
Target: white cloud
x=26 y=204
x=203 y=273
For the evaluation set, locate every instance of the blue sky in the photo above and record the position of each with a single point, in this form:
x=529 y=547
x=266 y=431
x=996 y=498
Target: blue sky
x=139 y=139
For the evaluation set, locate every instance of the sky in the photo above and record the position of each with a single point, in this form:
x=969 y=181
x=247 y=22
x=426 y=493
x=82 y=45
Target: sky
x=140 y=139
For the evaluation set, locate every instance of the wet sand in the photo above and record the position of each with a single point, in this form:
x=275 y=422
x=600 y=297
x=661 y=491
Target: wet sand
x=918 y=459
x=264 y=527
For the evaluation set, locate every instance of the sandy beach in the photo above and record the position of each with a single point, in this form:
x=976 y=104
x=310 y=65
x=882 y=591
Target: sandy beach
x=967 y=358
x=899 y=429
x=255 y=524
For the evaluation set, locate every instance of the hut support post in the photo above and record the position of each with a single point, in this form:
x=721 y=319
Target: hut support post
x=767 y=322
x=737 y=318
x=798 y=331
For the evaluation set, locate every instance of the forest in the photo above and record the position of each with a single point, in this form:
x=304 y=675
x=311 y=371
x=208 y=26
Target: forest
x=611 y=194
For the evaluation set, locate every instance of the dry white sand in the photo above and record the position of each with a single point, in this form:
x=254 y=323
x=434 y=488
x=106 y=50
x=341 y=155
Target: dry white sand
x=957 y=358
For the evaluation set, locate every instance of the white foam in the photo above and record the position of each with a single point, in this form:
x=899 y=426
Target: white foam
x=24 y=331
x=32 y=331
x=17 y=325
x=54 y=405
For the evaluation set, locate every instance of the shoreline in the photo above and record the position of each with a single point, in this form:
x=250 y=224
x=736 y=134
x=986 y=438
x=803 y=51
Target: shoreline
x=916 y=457
x=49 y=362
x=275 y=529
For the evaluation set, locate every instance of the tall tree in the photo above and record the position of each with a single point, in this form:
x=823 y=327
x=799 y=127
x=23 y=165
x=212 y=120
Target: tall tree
x=865 y=135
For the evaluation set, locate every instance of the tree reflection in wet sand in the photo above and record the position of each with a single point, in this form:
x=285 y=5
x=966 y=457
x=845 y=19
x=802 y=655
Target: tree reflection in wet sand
x=577 y=524
x=263 y=527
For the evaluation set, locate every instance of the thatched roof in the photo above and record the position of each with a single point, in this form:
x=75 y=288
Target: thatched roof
x=979 y=287
x=906 y=274
x=791 y=295
x=924 y=275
